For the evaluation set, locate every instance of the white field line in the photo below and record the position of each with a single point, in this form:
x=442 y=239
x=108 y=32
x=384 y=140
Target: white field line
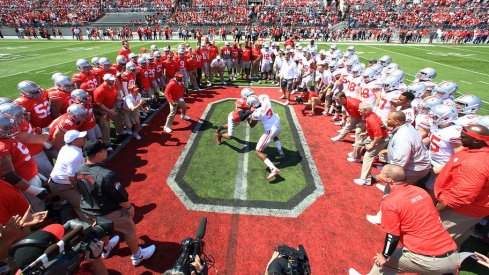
x=59 y=46
x=431 y=61
x=484 y=82
x=465 y=82
x=466 y=57
x=34 y=56
x=463 y=49
x=241 y=189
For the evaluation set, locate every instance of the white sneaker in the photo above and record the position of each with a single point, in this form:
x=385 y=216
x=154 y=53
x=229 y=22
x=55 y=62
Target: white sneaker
x=350 y=155
x=380 y=187
x=352 y=271
x=373 y=219
x=129 y=132
x=112 y=243
x=185 y=117
x=166 y=129
x=350 y=159
x=336 y=138
x=273 y=174
x=137 y=136
x=361 y=182
x=144 y=253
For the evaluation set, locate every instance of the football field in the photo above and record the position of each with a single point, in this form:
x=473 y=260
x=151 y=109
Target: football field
x=467 y=65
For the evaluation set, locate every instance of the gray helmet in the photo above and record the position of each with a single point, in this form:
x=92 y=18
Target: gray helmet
x=105 y=63
x=468 y=104
x=29 y=89
x=95 y=61
x=157 y=54
x=130 y=66
x=77 y=112
x=399 y=74
x=385 y=60
x=55 y=76
x=369 y=74
x=83 y=66
x=153 y=48
x=246 y=92
x=80 y=96
x=417 y=88
x=64 y=84
x=390 y=83
x=8 y=127
x=426 y=74
x=445 y=89
x=483 y=120
x=357 y=70
x=443 y=114
x=351 y=49
x=17 y=112
x=429 y=103
x=121 y=60
x=142 y=62
x=4 y=100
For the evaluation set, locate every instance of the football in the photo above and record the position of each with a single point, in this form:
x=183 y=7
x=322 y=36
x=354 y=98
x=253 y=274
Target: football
x=252 y=122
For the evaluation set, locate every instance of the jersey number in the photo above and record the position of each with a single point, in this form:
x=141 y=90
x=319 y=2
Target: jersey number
x=434 y=146
x=24 y=150
x=42 y=109
x=365 y=93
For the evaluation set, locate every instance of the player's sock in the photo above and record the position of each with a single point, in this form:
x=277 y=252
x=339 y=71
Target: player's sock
x=269 y=164
x=278 y=145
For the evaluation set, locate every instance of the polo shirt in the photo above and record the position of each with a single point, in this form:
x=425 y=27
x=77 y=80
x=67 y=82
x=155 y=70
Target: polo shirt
x=373 y=125
x=174 y=91
x=351 y=106
x=100 y=189
x=406 y=149
x=70 y=157
x=105 y=95
x=408 y=212
x=12 y=202
x=463 y=184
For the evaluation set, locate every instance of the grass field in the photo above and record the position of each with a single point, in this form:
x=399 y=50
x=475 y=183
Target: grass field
x=38 y=60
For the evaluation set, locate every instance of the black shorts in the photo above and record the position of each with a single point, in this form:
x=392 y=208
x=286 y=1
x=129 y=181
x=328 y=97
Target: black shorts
x=286 y=84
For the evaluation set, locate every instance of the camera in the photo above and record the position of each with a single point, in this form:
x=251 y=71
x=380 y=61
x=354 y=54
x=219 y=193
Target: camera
x=64 y=256
x=188 y=252
x=297 y=260
x=299 y=100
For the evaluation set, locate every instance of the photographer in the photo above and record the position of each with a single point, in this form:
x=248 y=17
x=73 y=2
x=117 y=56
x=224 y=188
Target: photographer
x=287 y=260
x=103 y=195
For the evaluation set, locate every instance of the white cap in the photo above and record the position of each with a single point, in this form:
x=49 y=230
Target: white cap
x=227 y=43
x=203 y=44
x=71 y=135
x=109 y=77
x=218 y=57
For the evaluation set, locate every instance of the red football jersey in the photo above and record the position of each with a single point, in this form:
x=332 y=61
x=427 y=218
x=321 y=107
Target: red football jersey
x=90 y=121
x=24 y=164
x=56 y=95
x=64 y=123
x=159 y=67
x=39 y=109
x=143 y=77
x=90 y=80
x=151 y=71
x=128 y=77
x=34 y=148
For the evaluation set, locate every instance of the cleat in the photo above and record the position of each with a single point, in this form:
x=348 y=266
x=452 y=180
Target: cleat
x=218 y=138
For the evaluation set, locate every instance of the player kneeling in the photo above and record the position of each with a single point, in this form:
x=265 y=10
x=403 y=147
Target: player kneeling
x=240 y=113
x=271 y=124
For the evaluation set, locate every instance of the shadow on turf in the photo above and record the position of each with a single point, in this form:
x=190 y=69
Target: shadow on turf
x=140 y=211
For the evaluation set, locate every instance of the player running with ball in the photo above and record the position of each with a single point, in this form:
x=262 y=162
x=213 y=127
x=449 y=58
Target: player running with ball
x=271 y=124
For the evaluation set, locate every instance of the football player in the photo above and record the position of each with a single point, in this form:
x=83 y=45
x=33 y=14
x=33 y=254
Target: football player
x=426 y=76
x=90 y=125
x=226 y=57
x=128 y=78
x=424 y=120
x=446 y=91
x=84 y=76
x=97 y=69
x=36 y=101
x=60 y=96
x=404 y=105
x=307 y=68
x=240 y=113
x=388 y=97
x=384 y=61
x=72 y=120
x=266 y=62
x=369 y=89
x=142 y=77
x=271 y=124
x=355 y=80
x=467 y=105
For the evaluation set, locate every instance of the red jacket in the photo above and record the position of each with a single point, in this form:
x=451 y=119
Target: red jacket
x=463 y=184
x=351 y=107
x=174 y=91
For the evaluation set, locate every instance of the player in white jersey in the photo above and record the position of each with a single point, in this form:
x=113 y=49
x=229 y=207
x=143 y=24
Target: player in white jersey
x=266 y=62
x=424 y=119
x=444 y=140
x=426 y=76
x=370 y=89
x=384 y=61
x=388 y=98
x=264 y=113
x=467 y=105
x=321 y=58
x=355 y=80
x=446 y=90
x=307 y=68
x=404 y=105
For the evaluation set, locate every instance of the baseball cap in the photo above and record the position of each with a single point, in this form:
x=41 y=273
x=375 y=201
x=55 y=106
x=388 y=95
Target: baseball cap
x=29 y=249
x=178 y=73
x=218 y=57
x=92 y=147
x=71 y=135
x=109 y=77
x=226 y=43
x=133 y=88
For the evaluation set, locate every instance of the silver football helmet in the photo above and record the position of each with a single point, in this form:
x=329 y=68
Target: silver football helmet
x=468 y=104
x=80 y=96
x=157 y=54
x=83 y=66
x=105 y=63
x=377 y=69
x=385 y=60
x=390 y=83
x=350 y=49
x=142 y=62
x=78 y=112
x=29 y=89
x=399 y=74
x=445 y=89
x=246 y=92
x=392 y=67
x=133 y=57
x=369 y=74
x=65 y=84
x=8 y=127
x=429 y=103
x=95 y=61
x=426 y=74
x=55 y=76
x=357 y=70
x=443 y=114
x=153 y=48
x=4 y=100
x=417 y=88
x=333 y=47
x=253 y=101
x=333 y=65
x=483 y=120
x=121 y=60
x=130 y=66
x=17 y=112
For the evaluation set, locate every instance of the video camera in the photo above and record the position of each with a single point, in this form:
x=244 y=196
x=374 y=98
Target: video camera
x=298 y=262
x=189 y=250
x=64 y=256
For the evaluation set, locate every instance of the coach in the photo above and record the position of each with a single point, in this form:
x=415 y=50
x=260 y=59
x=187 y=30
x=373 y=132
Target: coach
x=288 y=75
x=352 y=106
x=62 y=180
x=462 y=187
x=410 y=217
x=102 y=194
x=174 y=93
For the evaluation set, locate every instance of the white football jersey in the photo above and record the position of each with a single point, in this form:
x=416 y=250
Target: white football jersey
x=266 y=56
x=466 y=120
x=410 y=115
x=424 y=121
x=320 y=61
x=367 y=92
x=265 y=113
x=385 y=103
x=344 y=76
x=353 y=88
x=441 y=140
x=305 y=65
x=326 y=77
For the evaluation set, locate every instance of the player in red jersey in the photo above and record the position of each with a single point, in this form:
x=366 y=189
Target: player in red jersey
x=240 y=113
x=142 y=78
x=192 y=65
x=246 y=61
x=18 y=167
x=151 y=69
x=128 y=77
x=90 y=124
x=97 y=70
x=171 y=67
x=160 y=79
x=204 y=53
x=72 y=120
x=59 y=96
x=36 y=101
x=84 y=76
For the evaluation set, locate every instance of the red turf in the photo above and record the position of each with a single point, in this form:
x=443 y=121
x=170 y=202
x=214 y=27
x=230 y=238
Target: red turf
x=333 y=230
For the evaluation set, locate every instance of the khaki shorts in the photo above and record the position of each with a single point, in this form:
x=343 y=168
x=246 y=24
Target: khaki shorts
x=123 y=223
